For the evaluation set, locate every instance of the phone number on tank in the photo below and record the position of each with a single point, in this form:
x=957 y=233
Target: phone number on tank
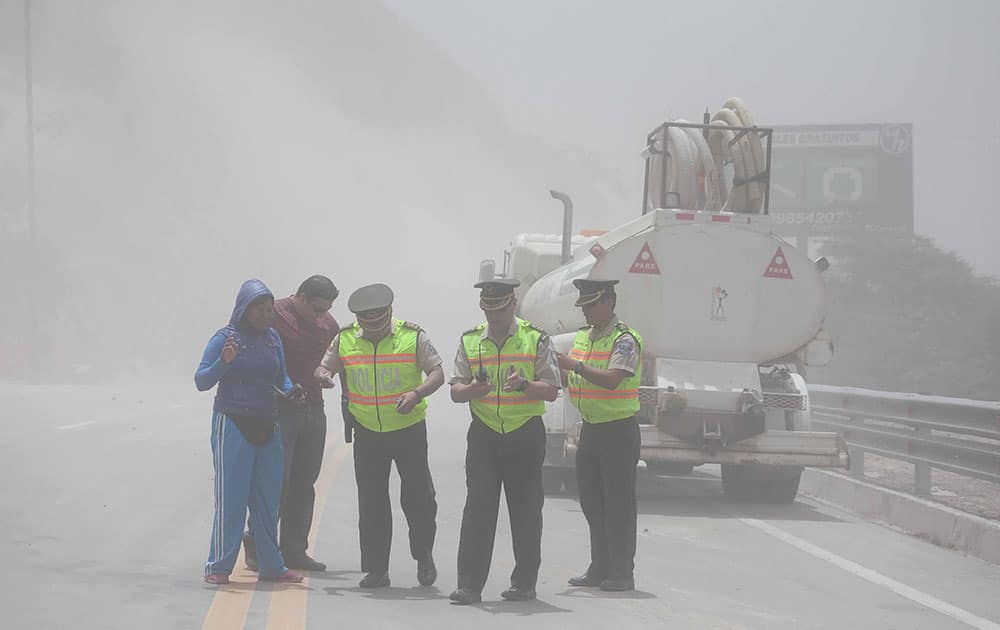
x=814 y=217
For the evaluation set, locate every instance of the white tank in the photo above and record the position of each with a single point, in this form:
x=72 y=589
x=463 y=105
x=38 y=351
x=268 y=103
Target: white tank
x=695 y=285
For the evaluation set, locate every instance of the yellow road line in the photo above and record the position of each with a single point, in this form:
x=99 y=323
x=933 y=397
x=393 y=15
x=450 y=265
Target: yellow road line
x=288 y=605
x=229 y=607
x=231 y=602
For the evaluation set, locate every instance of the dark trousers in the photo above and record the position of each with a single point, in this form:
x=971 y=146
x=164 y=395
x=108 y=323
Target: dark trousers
x=513 y=460
x=303 y=438
x=303 y=435
x=605 y=473
x=374 y=453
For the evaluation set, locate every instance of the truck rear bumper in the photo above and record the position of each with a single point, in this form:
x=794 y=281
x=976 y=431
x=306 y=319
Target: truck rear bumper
x=773 y=448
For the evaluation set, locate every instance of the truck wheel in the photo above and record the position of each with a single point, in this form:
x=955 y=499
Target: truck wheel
x=780 y=489
x=569 y=481
x=760 y=484
x=552 y=479
x=735 y=483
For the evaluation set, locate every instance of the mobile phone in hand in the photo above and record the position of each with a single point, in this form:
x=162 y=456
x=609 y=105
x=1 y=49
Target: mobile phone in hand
x=293 y=393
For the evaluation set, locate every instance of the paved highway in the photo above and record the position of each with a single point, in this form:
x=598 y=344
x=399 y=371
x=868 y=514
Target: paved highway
x=107 y=507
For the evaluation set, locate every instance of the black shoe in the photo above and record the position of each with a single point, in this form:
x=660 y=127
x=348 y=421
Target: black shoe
x=618 y=584
x=585 y=580
x=464 y=597
x=374 y=580
x=304 y=562
x=250 y=552
x=427 y=573
x=519 y=594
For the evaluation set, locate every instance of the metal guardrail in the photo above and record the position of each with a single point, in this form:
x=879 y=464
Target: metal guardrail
x=953 y=434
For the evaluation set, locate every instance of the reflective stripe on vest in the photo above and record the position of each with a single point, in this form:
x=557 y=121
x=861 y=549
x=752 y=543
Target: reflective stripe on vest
x=499 y=410
x=597 y=404
x=378 y=374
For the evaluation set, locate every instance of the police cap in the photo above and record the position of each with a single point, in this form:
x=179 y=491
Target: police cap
x=370 y=298
x=593 y=290
x=496 y=294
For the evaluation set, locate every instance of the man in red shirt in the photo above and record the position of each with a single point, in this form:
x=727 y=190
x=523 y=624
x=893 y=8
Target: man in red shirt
x=306 y=328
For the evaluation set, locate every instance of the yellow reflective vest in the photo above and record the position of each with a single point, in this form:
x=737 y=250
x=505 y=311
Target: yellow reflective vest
x=597 y=404
x=377 y=374
x=499 y=410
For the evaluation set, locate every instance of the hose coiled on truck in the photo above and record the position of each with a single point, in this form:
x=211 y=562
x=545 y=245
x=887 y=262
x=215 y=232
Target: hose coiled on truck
x=711 y=190
x=697 y=172
x=746 y=192
x=672 y=168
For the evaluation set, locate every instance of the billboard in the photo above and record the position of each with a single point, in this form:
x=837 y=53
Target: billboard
x=826 y=178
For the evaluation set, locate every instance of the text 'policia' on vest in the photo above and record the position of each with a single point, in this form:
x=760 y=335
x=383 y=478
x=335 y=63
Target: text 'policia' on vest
x=379 y=373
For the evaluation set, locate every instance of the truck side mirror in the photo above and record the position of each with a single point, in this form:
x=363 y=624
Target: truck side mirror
x=487 y=270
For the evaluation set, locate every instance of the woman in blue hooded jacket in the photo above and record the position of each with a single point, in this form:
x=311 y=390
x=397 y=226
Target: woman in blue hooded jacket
x=247 y=362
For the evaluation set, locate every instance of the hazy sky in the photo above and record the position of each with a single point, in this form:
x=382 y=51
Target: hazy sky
x=602 y=74
x=194 y=144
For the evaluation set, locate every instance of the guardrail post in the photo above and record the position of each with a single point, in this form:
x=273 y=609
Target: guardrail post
x=922 y=471
x=857 y=468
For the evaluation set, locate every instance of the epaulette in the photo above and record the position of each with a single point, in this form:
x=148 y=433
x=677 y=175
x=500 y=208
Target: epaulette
x=586 y=327
x=478 y=328
x=412 y=326
x=537 y=329
x=543 y=335
x=622 y=326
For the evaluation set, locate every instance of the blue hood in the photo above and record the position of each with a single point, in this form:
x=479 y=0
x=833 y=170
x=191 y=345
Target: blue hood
x=250 y=291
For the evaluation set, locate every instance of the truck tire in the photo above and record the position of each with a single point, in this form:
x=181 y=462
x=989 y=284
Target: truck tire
x=552 y=479
x=760 y=484
x=569 y=483
x=735 y=484
x=780 y=489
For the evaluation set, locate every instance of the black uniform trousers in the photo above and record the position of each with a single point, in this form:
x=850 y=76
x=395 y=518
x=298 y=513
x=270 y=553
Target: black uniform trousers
x=303 y=438
x=374 y=453
x=513 y=460
x=605 y=471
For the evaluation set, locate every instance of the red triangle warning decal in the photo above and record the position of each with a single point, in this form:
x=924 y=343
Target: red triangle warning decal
x=645 y=262
x=778 y=267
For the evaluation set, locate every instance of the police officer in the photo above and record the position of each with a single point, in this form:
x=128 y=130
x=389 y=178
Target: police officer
x=603 y=373
x=381 y=362
x=505 y=369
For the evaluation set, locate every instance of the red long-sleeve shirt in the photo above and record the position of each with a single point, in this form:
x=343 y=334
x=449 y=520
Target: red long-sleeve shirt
x=305 y=344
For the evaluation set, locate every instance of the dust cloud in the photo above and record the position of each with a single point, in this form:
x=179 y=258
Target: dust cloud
x=182 y=148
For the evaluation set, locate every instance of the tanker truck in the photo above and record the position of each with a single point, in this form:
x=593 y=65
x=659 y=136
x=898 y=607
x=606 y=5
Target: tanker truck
x=730 y=314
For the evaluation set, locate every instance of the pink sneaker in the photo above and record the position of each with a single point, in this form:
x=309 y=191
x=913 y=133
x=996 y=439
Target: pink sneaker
x=217 y=578
x=288 y=577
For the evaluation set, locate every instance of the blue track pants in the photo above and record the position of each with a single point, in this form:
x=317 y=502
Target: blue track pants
x=245 y=476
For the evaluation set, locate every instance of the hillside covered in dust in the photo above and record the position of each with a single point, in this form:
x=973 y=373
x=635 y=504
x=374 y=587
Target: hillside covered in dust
x=182 y=149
